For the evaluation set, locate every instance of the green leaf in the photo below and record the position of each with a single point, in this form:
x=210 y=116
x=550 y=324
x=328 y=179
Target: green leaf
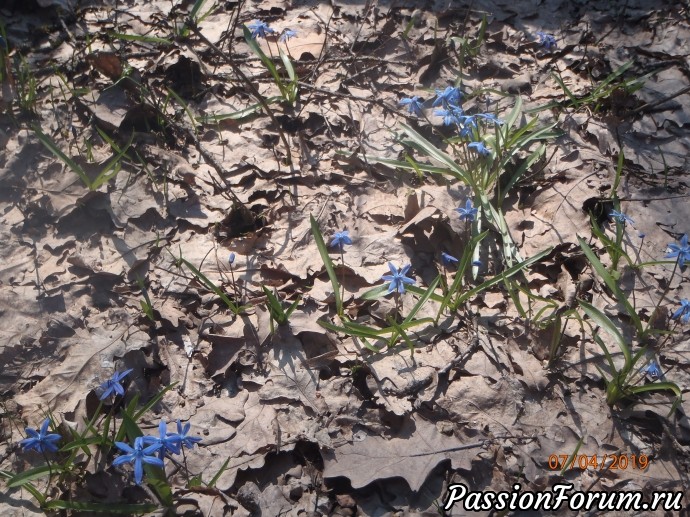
x=53 y=148
x=27 y=486
x=328 y=264
x=235 y=308
x=604 y=322
x=611 y=283
x=154 y=400
x=35 y=473
x=422 y=144
x=237 y=115
x=500 y=277
x=215 y=478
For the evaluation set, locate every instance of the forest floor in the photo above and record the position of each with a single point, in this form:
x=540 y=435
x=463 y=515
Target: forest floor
x=144 y=142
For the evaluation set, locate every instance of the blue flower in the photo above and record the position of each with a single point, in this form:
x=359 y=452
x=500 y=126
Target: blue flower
x=682 y=252
x=397 y=279
x=138 y=455
x=490 y=117
x=451 y=96
x=480 y=148
x=683 y=312
x=448 y=260
x=341 y=238
x=653 y=370
x=182 y=435
x=260 y=29
x=413 y=105
x=548 y=41
x=620 y=217
x=286 y=35
x=113 y=385
x=477 y=263
x=167 y=442
x=468 y=213
x=231 y=258
x=641 y=235
x=39 y=440
x=469 y=124
x=452 y=115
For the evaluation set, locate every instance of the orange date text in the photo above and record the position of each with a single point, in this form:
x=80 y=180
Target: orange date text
x=598 y=462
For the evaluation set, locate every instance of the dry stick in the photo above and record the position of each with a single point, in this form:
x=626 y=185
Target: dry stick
x=649 y=106
x=253 y=90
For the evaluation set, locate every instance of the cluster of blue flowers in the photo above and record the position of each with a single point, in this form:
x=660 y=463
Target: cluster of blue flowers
x=146 y=446
x=260 y=29
x=448 y=102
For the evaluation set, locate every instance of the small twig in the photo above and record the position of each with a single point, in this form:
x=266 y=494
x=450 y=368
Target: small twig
x=650 y=105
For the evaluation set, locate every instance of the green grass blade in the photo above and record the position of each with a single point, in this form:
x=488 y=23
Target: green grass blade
x=53 y=148
x=213 y=287
x=500 y=277
x=27 y=476
x=611 y=283
x=422 y=144
x=237 y=115
x=605 y=323
x=571 y=458
x=154 y=400
x=426 y=295
x=268 y=63
x=328 y=264
x=28 y=487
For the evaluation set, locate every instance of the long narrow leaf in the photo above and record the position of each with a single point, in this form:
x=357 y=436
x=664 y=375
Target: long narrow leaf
x=611 y=283
x=328 y=264
x=604 y=322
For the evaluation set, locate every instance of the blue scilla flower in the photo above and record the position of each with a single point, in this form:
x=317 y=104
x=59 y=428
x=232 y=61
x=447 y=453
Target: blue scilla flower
x=683 y=312
x=40 y=441
x=340 y=239
x=414 y=106
x=259 y=29
x=680 y=252
x=451 y=96
x=286 y=35
x=480 y=148
x=231 y=258
x=452 y=115
x=653 y=370
x=469 y=124
x=138 y=455
x=468 y=213
x=489 y=117
x=113 y=386
x=397 y=279
x=168 y=442
x=620 y=217
x=183 y=435
x=448 y=260
x=548 y=41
